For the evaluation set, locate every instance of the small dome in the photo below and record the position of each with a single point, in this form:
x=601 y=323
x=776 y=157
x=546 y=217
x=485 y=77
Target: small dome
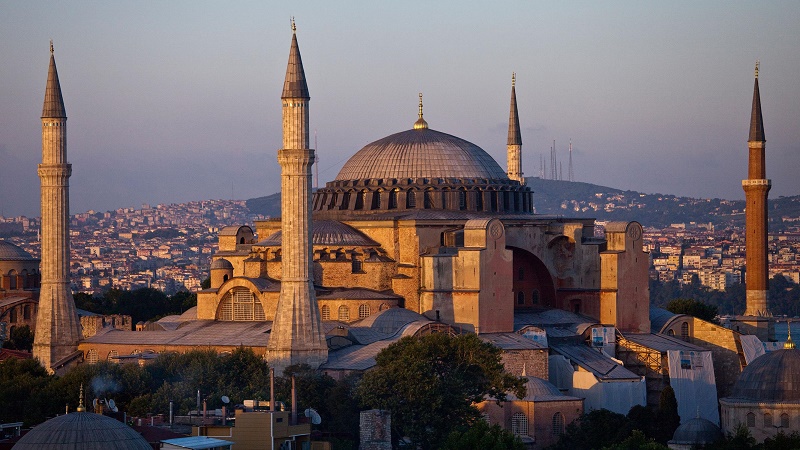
x=421 y=153
x=221 y=263
x=82 y=430
x=538 y=389
x=327 y=232
x=697 y=431
x=11 y=252
x=771 y=378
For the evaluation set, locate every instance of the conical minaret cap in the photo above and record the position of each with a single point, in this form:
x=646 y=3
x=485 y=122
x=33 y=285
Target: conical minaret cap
x=514 y=134
x=295 y=84
x=756 y=122
x=53 y=102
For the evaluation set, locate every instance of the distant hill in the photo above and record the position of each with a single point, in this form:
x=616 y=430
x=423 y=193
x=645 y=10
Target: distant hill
x=577 y=199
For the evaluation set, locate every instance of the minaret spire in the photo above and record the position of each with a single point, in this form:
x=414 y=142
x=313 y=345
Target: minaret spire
x=756 y=188
x=514 y=156
x=297 y=336
x=57 y=327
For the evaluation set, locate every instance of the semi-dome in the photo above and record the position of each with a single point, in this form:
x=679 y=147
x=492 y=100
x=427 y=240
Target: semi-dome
x=221 y=263
x=82 y=430
x=327 y=232
x=697 y=431
x=771 y=378
x=11 y=252
x=421 y=153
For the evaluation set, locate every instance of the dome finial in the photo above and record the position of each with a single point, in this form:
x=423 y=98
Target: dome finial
x=420 y=124
x=81 y=408
x=294 y=27
x=513 y=79
x=789 y=344
x=758 y=63
x=51 y=47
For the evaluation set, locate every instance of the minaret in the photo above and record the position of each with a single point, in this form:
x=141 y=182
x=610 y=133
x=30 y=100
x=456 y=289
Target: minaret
x=297 y=336
x=57 y=327
x=514 y=137
x=756 y=187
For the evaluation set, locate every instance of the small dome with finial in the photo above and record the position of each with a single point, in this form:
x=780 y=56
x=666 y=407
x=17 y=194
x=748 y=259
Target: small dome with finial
x=420 y=124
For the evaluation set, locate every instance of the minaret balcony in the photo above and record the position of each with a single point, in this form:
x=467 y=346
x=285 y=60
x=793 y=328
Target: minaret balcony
x=757 y=182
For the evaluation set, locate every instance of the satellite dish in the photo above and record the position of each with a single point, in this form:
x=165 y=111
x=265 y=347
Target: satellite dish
x=314 y=415
x=112 y=405
x=94 y=403
x=225 y=399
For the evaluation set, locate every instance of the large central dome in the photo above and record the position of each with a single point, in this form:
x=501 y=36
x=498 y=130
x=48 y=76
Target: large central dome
x=421 y=153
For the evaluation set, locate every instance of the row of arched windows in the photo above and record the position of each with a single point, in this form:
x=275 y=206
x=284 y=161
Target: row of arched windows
x=431 y=198
x=519 y=424
x=768 y=420
x=14 y=280
x=24 y=312
x=343 y=313
x=534 y=297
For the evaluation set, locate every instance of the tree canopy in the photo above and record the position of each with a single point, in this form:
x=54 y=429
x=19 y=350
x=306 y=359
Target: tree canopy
x=430 y=384
x=693 y=308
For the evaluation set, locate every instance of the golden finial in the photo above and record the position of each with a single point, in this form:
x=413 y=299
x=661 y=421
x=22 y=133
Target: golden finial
x=789 y=344
x=294 y=27
x=81 y=408
x=758 y=63
x=51 y=47
x=513 y=78
x=420 y=124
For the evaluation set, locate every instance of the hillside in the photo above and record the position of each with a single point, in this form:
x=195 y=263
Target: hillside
x=576 y=199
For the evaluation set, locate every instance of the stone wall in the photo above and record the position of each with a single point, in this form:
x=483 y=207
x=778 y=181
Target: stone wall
x=376 y=430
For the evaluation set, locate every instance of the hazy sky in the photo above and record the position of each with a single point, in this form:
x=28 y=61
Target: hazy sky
x=177 y=101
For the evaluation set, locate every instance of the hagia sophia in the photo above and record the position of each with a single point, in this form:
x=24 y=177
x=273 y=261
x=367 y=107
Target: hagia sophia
x=423 y=232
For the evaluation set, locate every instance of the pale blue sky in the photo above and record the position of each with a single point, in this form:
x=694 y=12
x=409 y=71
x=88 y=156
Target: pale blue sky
x=177 y=101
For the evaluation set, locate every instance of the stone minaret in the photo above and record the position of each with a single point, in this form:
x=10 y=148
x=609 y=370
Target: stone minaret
x=57 y=327
x=514 y=138
x=297 y=336
x=756 y=188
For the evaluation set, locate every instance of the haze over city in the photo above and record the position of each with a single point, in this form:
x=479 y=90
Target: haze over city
x=169 y=102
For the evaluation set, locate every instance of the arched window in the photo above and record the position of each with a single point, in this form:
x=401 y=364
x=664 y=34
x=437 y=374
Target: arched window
x=751 y=420
x=12 y=315
x=345 y=200
x=357 y=266
x=113 y=356
x=393 y=199
x=493 y=199
x=239 y=304
x=326 y=312
x=558 y=424
x=360 y=200
x=462 y=199
x=520 y=298
x=363 y=311
x=685 y=331
x=344 y=313
x=411 y=199
x=91 y=356
x=376 y=199
x=519 y=424
x=506 y=201
x=784 y=420
x=429 y=202
x=225 y=278
x=383 y=307
x=12 y=277
x=479 y=200
x=241 y=240
x=535 y=297
x=521 y=274
x=767 y=420
x=670 y=332
x=26 y=312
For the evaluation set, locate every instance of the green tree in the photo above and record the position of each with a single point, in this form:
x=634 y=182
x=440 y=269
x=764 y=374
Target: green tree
x=667 y=418
x=482 y=436
x=597 y=429
x=637 y=441
x=430 y=384
x=693 y=308
x=21 y=338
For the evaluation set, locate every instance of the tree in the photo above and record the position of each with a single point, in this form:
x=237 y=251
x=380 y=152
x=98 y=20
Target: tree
x=637 y=441
x=483 y=436
x=667 y=418
x=597 y=429
x=21 y=338
x=693 y=308
x=430 y=384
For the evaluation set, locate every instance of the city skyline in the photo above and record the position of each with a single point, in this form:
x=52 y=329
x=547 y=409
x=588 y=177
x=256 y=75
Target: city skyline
x=171 y=103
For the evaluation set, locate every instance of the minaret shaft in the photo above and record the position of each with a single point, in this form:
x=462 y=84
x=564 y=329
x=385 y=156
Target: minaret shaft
x=297 y=336
x=514 y=154
x=57 y=327
x=756 y=188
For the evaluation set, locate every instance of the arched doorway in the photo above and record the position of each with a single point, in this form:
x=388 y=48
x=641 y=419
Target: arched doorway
x=533 y=285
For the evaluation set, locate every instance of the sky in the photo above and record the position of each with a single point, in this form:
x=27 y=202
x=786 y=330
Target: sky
x=175 y=101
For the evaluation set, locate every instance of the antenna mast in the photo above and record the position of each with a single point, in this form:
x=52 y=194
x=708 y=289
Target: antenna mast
x=316 y=162
x=571 y=174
